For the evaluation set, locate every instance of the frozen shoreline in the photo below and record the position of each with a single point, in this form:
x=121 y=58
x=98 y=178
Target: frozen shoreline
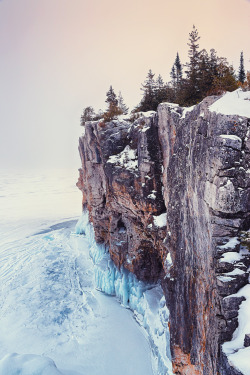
x=48 y=304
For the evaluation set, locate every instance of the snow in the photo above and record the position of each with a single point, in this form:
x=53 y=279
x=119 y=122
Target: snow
x=225 y=279
x=231 y=257
x=152 y=195
x=147 y=114
x=233 y=137
x=14 y=364
x=187 y=110
x=237 y=354
x=145 y=129
x=145 y=300
x=233 y=103
x=160 y=220
x=235 y=272
x=232 y=241
x=126 y=159
x=49 y=307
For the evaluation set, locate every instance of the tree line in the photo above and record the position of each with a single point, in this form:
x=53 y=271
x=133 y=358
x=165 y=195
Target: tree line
x=204 y=74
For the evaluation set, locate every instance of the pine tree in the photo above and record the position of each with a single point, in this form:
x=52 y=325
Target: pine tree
x=173 y=75
x=225 y=78
x=148 y=101
x=88 y=115
x=113 y=108
x=121 y=104
x=242 y=74
x=178 y=69
x=111 y=97
x=190 y=86
x=160 y=90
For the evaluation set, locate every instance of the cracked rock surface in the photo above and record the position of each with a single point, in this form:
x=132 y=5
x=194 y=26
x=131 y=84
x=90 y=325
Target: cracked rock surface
x=169 y=194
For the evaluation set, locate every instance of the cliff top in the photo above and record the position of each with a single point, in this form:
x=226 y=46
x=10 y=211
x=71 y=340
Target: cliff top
x=233 y=103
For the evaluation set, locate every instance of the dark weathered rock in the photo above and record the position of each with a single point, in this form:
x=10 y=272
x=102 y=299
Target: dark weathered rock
x=195 y=167
x=121 y=184
x=247 y=340
x=230 y=306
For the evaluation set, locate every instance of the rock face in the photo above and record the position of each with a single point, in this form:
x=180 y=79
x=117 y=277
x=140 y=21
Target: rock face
x=170 y=196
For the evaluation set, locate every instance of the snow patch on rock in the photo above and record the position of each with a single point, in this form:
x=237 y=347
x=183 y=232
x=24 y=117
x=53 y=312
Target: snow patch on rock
x=238 y=355
x=233 y=103
x=160 y=220
x=126 y=159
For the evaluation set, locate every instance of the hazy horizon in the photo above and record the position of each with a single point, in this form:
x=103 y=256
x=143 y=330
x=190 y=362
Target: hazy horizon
x=59 y=57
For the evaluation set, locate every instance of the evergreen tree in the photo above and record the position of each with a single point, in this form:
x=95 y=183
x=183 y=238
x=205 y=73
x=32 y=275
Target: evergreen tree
x=224 y=80
x=190 y=92
x=205 y=74
x=148 y=101
x=113 y=108
x=213 y=62
x=121 y=104
x=88 y=115
x=178 y=69
x=160 y=90
x=242 y=74
x=193 y=53
x=111 y=97
x=173 y=75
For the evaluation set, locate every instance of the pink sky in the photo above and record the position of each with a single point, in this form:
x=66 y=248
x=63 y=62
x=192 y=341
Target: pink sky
x=58 y=56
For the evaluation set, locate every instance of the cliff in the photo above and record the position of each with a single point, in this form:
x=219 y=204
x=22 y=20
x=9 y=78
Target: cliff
x=169 y=195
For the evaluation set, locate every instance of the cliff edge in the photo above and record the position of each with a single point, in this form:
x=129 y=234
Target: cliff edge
x=170 y=196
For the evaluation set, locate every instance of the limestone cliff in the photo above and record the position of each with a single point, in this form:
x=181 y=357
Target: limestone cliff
x=170 y=195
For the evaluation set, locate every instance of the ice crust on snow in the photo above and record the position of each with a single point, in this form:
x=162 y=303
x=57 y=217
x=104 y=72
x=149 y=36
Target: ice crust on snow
x=27 y=364
x=126 y=159
x=146 y=301
x=233 y=103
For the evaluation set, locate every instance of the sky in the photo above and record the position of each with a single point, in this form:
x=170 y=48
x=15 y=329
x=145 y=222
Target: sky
x=59 y=56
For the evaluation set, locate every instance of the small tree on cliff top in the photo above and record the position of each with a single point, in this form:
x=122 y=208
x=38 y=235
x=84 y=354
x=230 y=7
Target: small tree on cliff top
x=242 y=74
x=113 y=108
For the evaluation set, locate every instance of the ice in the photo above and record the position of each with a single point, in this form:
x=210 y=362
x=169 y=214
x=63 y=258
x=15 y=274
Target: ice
x=233 y=103
x=145 y=300
x=126 y=159
x=14 y=364
x=49 y=306
x=160 y=220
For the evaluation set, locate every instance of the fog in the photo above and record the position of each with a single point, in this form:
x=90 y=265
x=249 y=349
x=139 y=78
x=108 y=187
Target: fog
x=60 y=56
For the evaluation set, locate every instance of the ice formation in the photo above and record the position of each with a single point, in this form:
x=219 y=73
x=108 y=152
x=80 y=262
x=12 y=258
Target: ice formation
x=146 y=301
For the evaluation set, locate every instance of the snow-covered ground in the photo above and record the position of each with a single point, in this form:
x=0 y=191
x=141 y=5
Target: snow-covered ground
x=51 y=315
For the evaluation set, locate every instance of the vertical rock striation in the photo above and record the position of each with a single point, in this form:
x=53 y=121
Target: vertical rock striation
x=169 y=195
